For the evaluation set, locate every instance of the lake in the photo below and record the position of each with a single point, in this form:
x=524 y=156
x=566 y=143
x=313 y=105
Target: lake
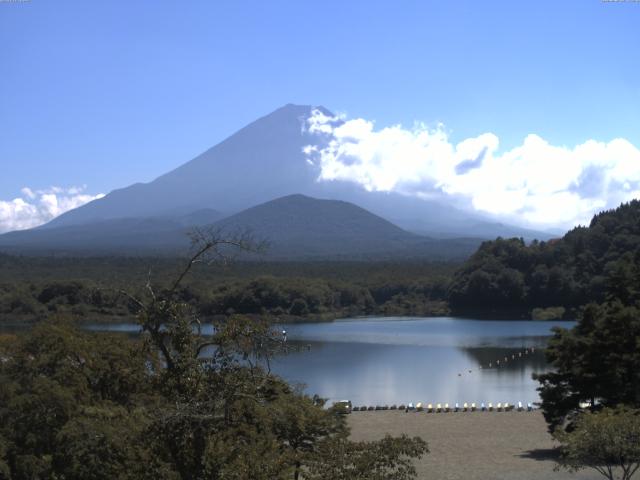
x=377 y=361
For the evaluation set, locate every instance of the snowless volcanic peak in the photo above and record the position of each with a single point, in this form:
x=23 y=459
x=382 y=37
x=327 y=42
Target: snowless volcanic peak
x=261 y=161
x=266 y=160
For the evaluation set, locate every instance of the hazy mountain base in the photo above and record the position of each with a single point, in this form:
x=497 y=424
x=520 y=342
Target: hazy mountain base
x=295 y=227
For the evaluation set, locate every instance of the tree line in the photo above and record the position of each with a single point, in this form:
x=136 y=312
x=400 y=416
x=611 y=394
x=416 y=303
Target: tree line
x=589 y=264
x=291 y=294
x=173 y=404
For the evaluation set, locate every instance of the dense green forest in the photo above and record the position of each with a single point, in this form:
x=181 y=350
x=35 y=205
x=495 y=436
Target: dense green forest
x=83 y=406
x=90 y=288
x=504 y=277
x=588 y=264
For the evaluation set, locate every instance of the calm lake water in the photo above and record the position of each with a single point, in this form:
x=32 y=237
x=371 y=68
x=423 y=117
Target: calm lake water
x=399 y=360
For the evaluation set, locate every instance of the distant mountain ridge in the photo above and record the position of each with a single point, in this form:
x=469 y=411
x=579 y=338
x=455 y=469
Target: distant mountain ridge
x=303 y=227
x=263 y=161
x=295 y=226
x=238 y=180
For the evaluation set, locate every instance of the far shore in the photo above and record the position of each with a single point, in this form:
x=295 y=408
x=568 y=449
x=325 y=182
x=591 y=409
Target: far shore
x=472 y=445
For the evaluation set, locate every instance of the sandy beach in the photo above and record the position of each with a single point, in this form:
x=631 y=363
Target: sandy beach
x=468 y=446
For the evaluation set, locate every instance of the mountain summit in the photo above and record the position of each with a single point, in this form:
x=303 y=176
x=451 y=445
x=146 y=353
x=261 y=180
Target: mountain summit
x=261 y=162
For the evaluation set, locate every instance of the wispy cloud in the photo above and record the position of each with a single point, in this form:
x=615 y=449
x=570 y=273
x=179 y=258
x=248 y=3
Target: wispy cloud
x=535 y=183
x=35 y=207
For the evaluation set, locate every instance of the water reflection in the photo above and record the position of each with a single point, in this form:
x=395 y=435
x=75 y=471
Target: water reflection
x=399 y=360
x=386 y=361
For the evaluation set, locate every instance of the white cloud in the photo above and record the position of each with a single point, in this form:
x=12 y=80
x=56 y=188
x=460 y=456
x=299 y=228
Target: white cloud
x=34 y=208
x=534 y=183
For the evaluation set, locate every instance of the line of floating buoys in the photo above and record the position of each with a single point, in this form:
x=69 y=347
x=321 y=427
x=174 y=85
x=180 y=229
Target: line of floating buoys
x=506 y=359
x=445 y=408
x=503 y=360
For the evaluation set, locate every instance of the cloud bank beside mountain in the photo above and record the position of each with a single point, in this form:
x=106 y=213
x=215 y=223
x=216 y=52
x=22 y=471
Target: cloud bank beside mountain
x=35 y=207
x=538 y=183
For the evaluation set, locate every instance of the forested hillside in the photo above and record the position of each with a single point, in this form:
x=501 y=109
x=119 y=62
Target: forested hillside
x=588 y=264
x=31 y=288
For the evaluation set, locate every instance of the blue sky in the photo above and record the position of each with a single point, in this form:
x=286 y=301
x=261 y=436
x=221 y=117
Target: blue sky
x=105 y=94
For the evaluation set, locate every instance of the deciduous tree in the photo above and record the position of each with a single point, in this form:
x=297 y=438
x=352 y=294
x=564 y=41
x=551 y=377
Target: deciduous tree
x=607 y=441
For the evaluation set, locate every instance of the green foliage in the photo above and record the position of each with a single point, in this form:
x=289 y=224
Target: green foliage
x=50 y=382
x=589 y=264
x=549 y=313
x=597 y=361
x=5 y=471
x=386 y=459
x=173 y=404
x=607 y=441
x=75 y=405
x=293 y=291
x=102 y=443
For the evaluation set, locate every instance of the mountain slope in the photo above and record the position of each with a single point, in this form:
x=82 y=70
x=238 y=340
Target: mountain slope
x=154 y=235
x=263 y=161
x=303 y=227
x=296 y=227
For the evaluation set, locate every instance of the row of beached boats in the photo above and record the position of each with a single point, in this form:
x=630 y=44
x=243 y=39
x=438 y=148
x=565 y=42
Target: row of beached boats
x=445 y=407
